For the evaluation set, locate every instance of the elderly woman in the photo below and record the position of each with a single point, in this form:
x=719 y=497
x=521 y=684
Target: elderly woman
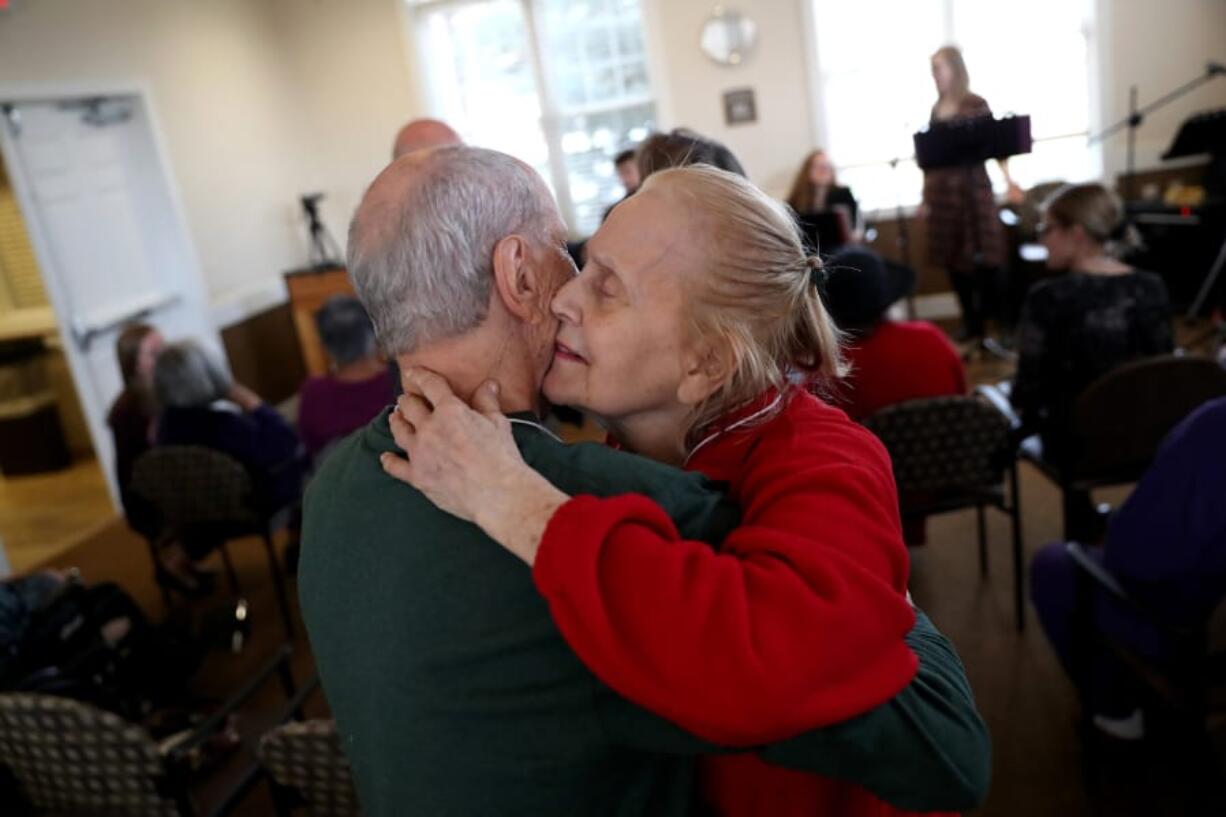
x=202 y=406
x=357 y=388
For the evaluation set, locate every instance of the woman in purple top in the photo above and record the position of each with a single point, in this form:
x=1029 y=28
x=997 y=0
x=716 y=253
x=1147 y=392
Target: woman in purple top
x=359 y=386
x=1166 y=547
x=201 y=406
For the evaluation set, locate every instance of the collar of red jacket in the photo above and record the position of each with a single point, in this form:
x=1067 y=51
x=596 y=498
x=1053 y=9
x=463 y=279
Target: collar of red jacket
x=726 y=441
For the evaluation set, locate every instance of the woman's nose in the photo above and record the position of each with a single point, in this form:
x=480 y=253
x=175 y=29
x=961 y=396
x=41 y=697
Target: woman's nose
x=565 y=304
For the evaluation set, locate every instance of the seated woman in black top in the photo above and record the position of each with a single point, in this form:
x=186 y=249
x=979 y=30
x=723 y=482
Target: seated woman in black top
x=1080 y=325
x=827 y=212
x=200 y=405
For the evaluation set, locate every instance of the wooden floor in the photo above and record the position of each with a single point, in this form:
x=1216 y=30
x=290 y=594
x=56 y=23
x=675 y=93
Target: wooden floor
x=43 y=515
x=1028 y=703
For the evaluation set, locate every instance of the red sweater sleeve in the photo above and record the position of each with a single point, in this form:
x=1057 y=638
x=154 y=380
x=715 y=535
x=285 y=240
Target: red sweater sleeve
x=796 y=622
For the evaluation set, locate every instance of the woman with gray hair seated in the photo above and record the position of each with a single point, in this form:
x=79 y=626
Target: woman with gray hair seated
x=200 y=405
x=359 y=386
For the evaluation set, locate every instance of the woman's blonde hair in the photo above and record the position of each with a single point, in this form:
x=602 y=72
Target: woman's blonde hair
x=758 y=298
x=1097 y=211
x=803 y=196
x=952 y=55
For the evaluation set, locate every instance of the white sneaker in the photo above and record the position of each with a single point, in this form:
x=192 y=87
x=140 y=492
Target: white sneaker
x=1129 y=728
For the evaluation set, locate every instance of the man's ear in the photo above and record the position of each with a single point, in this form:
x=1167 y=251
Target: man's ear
x=705 y=368
x=516 y=278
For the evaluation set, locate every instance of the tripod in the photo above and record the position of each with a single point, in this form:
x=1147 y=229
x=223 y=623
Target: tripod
x=324 y=249
x=904 y=234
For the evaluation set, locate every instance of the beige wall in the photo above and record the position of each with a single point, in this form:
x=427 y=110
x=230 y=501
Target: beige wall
x=1158 y=46
x=351 y=67
x=770 y=148
x=220 y=92
x=259 y=102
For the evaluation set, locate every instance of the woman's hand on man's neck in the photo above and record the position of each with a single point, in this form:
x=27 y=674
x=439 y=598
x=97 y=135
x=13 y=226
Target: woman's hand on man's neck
x=471 y=359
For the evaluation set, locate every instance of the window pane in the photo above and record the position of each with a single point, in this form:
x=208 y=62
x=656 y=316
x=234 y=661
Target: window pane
x=875 y=98
x=615 y=109
x=478 y=62
x=993 y=61
x=600 y=41
x=480 y=77
x=589 y=143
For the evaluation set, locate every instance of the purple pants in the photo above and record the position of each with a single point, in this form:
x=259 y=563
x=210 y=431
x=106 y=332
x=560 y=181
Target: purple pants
x=1105 y=683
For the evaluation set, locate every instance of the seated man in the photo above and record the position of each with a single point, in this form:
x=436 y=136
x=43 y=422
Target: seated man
x=357 y=388
x=452 y=690
x=1167 y=547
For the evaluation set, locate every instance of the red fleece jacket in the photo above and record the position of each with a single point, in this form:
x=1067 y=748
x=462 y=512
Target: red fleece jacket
x=796 y=621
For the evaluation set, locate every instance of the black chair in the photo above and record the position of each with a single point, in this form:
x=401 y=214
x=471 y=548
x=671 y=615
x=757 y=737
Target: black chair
x=952 y=453
x=68 y=757
x=1119 y=421
x=1191 y=684
x=308 y=769
x=201 y=494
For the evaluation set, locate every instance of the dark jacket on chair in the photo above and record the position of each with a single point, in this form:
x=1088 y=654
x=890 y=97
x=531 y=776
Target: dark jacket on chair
x=261 y=440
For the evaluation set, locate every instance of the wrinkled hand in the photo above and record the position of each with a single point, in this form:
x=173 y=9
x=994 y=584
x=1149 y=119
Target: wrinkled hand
x=456 y=454
x=466 y=462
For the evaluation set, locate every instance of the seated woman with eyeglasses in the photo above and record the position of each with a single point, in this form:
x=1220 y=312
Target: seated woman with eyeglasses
x=1078 y=326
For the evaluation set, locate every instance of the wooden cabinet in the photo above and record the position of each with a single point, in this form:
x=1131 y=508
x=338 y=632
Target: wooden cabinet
x=308 y=291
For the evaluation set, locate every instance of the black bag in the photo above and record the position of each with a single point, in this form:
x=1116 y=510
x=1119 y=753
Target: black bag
x=64 y=652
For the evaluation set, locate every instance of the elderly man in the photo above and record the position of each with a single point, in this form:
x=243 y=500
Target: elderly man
x=422 y=134
x=452 y=690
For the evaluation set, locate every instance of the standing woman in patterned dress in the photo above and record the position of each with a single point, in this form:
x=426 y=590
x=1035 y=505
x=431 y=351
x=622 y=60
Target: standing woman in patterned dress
x=964 y=234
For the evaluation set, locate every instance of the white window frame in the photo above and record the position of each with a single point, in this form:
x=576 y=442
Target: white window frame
x=552 y=114
x=1096 y=59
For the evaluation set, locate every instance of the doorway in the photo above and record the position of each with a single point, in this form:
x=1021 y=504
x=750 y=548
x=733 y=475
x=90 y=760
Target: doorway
x=52 y=490
x=106 y=241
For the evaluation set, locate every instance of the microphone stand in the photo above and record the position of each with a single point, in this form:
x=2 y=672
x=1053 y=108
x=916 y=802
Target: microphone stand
x=904 y=234
x=1136 y=116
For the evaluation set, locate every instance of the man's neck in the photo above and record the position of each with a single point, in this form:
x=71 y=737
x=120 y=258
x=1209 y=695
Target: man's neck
x=471 y=359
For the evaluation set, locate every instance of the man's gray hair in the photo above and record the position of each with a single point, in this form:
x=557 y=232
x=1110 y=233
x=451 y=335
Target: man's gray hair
x=185 y=376
x=423 y=264
x=345 y=329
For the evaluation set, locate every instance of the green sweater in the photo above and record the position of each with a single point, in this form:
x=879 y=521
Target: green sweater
x=454 y=694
